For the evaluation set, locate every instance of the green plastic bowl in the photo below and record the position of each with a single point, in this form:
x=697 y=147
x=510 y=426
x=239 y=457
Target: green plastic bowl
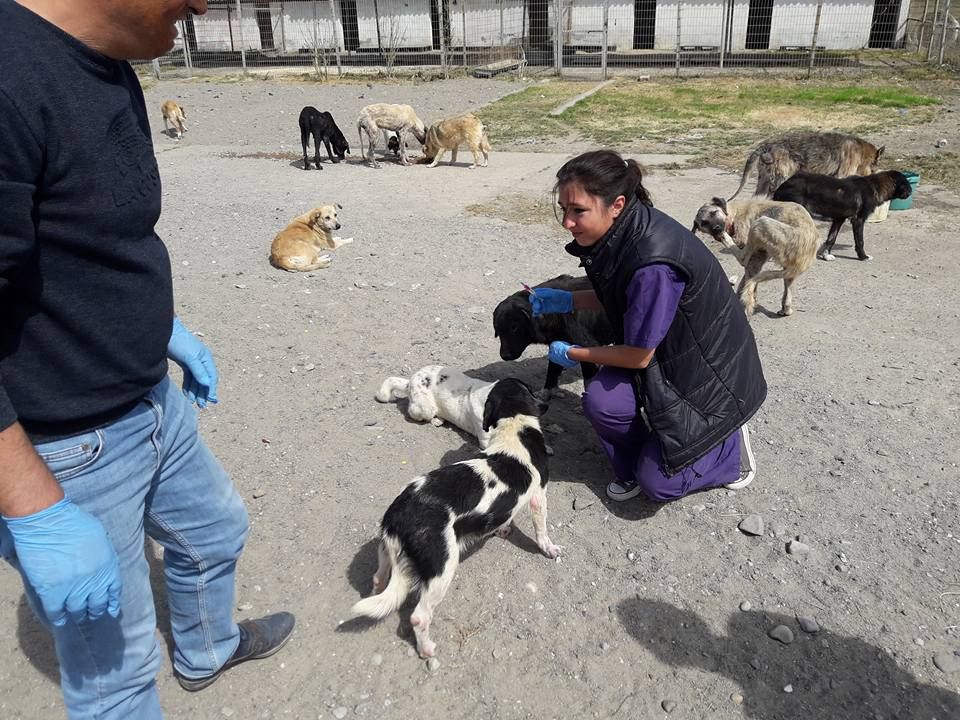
x=914 y=180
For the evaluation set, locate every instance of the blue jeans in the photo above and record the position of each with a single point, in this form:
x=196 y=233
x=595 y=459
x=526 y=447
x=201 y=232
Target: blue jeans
x=148 y=472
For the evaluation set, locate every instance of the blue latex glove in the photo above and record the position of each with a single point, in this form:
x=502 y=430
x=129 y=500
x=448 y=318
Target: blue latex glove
x=558 y=354
x=199 y=371
x=69 y=561
x=549 y=300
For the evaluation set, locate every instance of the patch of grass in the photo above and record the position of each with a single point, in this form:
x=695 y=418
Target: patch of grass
x=737 y=111
x=524 y=115
x=941 y=169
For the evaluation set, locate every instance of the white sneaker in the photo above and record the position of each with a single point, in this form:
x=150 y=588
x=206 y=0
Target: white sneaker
x=748 y=464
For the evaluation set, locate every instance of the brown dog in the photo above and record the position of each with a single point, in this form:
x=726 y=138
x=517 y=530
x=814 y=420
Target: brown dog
x=450 y=134
x=174 y=115
x=297 y=247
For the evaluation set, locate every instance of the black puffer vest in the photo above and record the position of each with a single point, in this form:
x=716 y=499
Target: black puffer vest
x=705 y=379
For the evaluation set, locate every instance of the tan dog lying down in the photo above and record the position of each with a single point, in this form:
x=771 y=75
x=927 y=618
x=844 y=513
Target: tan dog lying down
x=297 y=247
x=174 y=115
x=450 y=134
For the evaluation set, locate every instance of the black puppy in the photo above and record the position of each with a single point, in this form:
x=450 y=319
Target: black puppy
x=393 y=144
x=837 y=200
x=517 y=328
x=439 y=515
x=322 y=127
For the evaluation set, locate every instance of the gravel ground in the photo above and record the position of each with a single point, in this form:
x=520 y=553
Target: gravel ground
x=652 y=609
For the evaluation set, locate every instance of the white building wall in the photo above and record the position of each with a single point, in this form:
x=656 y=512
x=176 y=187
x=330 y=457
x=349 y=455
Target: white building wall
x=844 y=24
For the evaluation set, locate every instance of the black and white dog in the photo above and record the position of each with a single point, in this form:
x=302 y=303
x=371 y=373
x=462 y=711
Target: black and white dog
x=323 y=128
x=437 y=393
x=439 y=514
x=517 y=328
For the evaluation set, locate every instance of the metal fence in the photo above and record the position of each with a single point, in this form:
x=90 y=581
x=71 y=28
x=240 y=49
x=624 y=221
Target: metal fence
x=581 y=37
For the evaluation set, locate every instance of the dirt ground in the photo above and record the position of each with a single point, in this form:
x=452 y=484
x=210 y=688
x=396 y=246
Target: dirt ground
x=651 y=610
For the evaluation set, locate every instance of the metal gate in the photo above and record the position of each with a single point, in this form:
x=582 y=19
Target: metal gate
x=581 y=36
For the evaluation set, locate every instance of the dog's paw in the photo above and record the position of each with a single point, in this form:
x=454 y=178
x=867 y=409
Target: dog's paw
x=551 y=551
x=827 y=256
x=785 y=311
x=503 y=532
x=427 y=649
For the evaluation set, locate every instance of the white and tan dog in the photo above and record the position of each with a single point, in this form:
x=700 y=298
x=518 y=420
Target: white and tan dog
x=451 y=133
x=439 y=394
x=440 y=514
x=384 y=116
x=174 y=115
x=754 y=231
x=297 y=247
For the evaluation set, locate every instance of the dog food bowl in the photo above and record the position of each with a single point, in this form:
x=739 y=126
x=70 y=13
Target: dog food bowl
x=879 y=213
x=914 y=180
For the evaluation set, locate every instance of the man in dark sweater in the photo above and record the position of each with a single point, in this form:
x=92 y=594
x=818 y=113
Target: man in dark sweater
x=97 y=448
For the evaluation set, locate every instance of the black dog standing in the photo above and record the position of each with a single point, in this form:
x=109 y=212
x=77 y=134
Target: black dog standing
x=323 y=128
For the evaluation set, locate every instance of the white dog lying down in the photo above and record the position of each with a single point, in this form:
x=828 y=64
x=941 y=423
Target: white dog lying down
x=439 y=393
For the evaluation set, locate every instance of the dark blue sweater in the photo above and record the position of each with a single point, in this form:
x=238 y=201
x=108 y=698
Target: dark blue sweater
x=86 y=300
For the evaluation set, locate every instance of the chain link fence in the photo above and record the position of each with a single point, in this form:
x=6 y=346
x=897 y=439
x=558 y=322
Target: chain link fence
x=568 y=37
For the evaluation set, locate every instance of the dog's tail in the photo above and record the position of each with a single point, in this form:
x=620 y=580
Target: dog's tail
x=393 y=388
x=748 y=168
x=380 y=605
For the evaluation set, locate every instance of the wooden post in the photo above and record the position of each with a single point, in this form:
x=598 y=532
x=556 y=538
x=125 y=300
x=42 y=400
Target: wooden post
x=443 y=36
x=283 y=34
x=187 y=60
x=376 y=12
x=723 y=30
x=923 y=23
x=678 y=38
x=500 y=2
x=337 y=23
x=230 y=27
x=605 y=37
x=558 y=36
x=463 y=23
x=943 y=36
x=813 y=43
x=933 y=29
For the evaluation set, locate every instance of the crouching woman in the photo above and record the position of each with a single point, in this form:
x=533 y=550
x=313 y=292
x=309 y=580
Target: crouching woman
x=671 y=401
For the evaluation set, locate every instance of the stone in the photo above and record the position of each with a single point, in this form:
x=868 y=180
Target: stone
x=433 y=665
x=751 y=525
x=737 y=698
x=873 y=402
x=340 y=712
x=745 y=606
x=755 y=663
x=226 y=712
x=259 y=493
x=668 y=705
x=788 y=688
x=781 y=633
x=370 y=423
x=778 y=529
x=377 y=659
x=631 y=555
x=808 y=625
x=797 y=548
x=947 y=662
x=941 y=143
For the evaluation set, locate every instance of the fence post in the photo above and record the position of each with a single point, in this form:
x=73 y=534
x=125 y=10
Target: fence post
x=156 y=68
x=243 y=51
x=678 y=38
x=933 y=28
x=463 y=23
x=336 y=23
x=500 y=2
x=605 y=36
x=813 y=43
x=943 y=36
x=723 y=31
x=187 y=60
x=923 y=22
x=283 y=34
x=558 y=36
x=444 y=15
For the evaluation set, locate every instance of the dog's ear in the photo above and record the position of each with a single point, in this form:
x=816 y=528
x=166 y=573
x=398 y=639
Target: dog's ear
x=720 y=203
x=490 y=411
